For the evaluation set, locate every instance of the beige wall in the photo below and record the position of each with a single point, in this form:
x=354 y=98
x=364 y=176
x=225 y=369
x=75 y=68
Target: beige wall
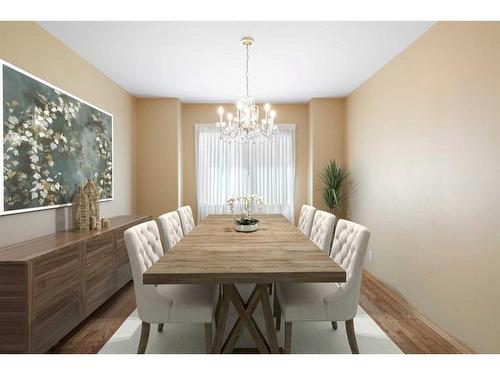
x=423 y=145
x=203 y=113
x=158 y=123
x=326 y=139
x=28 y=46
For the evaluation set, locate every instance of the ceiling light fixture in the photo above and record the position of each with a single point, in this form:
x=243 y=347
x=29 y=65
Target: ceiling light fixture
x=247 y=126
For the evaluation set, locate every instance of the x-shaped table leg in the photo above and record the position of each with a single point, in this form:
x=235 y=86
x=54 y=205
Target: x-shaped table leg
x=239 y=325
x=250 y=323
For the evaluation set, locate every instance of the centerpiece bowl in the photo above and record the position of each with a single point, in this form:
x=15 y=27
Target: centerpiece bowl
x=246 y=225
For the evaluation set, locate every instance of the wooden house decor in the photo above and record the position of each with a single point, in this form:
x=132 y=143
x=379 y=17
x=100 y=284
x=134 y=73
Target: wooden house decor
x=92 y=193
x=81 y=217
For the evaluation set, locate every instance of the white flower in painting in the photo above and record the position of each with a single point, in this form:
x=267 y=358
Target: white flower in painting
x=32 y=166
x=34 y=195
x=44 y=193
x=15 y=152
x=96 y=174
x=57 y=186
x=34 y=158
x=37 y=176
x=13 y=120
x=28 y=133
x=50 y=163
x=15 y=163
x=53 y=146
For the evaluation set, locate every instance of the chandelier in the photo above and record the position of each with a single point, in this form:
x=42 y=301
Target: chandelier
x=247 y=126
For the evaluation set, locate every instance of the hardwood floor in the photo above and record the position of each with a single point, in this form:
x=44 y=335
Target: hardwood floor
x=91 y=335
x=406 y=327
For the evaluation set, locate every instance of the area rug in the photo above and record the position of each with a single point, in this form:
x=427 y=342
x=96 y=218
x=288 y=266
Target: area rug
x=307 y=337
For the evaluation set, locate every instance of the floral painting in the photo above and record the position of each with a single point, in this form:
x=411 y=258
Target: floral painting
x=52 y=142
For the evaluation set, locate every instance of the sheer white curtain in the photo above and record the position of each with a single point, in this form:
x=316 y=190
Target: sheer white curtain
x=227 y=169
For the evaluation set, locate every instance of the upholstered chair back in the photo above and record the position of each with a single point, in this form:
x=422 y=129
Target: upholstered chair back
x=171 y=228
x=322 y=230
x=144 y=249
x=349 y=247
x=187 y=220
x=306 y=219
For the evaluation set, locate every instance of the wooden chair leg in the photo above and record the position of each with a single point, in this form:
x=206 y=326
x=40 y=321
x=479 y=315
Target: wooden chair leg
x=276 y=310
x=160 y=327
x=218 y=306
x=351 y=336
x=208 y=337
x=288 y=337
x=143 y=342
x=278 y=318
x=334 y=325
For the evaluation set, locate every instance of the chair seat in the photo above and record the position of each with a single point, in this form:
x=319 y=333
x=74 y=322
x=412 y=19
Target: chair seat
x=182 y=303
x=314 y=302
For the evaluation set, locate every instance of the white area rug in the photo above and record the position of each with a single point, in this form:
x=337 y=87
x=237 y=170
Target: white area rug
x=307 y=337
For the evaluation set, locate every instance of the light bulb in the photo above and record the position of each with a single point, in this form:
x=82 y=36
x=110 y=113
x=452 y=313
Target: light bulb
x=273 y=114
x=229 y=116
x=220 y=111
x=267 y=107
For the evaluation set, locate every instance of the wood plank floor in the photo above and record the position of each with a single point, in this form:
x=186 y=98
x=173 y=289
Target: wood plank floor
x=91 y=335
x=407 y=328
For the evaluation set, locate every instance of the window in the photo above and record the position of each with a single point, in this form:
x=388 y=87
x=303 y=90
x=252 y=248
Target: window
x=227 y=169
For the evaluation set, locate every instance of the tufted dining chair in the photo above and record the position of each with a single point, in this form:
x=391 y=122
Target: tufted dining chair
x=171 y=228
x=176 y=303
x=187 y=220
x=306 y=219
x=329 y=301
x=322 y=230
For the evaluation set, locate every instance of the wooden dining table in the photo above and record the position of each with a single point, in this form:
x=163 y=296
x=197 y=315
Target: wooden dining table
x=215 y=253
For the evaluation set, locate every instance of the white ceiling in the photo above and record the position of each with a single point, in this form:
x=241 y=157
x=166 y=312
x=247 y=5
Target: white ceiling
x=204 y=62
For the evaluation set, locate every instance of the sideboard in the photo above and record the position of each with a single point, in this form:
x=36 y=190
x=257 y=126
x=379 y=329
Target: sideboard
x=48 y=285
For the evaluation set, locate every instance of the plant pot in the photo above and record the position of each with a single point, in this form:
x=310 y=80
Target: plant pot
x=246 y=225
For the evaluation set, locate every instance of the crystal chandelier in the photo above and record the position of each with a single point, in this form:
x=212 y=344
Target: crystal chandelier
x=247 y=126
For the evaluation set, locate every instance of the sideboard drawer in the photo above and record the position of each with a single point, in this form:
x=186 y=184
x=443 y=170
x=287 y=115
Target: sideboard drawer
x=13 y=308
x=56 y=296
x=99 y=279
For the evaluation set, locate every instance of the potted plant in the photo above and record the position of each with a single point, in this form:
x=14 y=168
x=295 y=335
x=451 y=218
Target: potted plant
x=246 y=205
x=336 y=187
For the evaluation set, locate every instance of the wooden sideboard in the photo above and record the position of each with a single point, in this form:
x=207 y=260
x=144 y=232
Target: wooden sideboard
x=48 y=285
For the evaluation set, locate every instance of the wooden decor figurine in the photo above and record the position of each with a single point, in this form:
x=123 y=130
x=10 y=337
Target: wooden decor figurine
x=81 y=217
x=93 y=196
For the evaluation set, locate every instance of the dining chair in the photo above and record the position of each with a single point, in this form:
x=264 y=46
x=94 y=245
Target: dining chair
x=306 y=219
x=331 y=302
x=322 y=230
x=176 y=303
x=187 y=220
x=171 y=228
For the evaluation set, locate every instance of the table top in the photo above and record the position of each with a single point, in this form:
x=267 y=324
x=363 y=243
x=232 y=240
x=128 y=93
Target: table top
x=25 y=251
x=214 y=252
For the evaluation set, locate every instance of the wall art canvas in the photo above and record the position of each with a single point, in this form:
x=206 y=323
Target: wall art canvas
x=51 y=142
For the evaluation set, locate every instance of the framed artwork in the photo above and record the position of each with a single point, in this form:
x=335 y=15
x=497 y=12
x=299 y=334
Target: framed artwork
x=51 y=142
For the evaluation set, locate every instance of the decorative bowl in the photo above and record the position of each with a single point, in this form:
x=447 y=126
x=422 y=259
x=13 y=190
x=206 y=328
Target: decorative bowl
x=246 y=225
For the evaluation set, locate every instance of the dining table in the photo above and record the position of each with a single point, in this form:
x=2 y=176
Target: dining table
x=215 y=253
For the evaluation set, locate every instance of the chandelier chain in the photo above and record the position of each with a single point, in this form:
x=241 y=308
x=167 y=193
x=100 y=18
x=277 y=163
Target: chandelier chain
x=246 y=75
